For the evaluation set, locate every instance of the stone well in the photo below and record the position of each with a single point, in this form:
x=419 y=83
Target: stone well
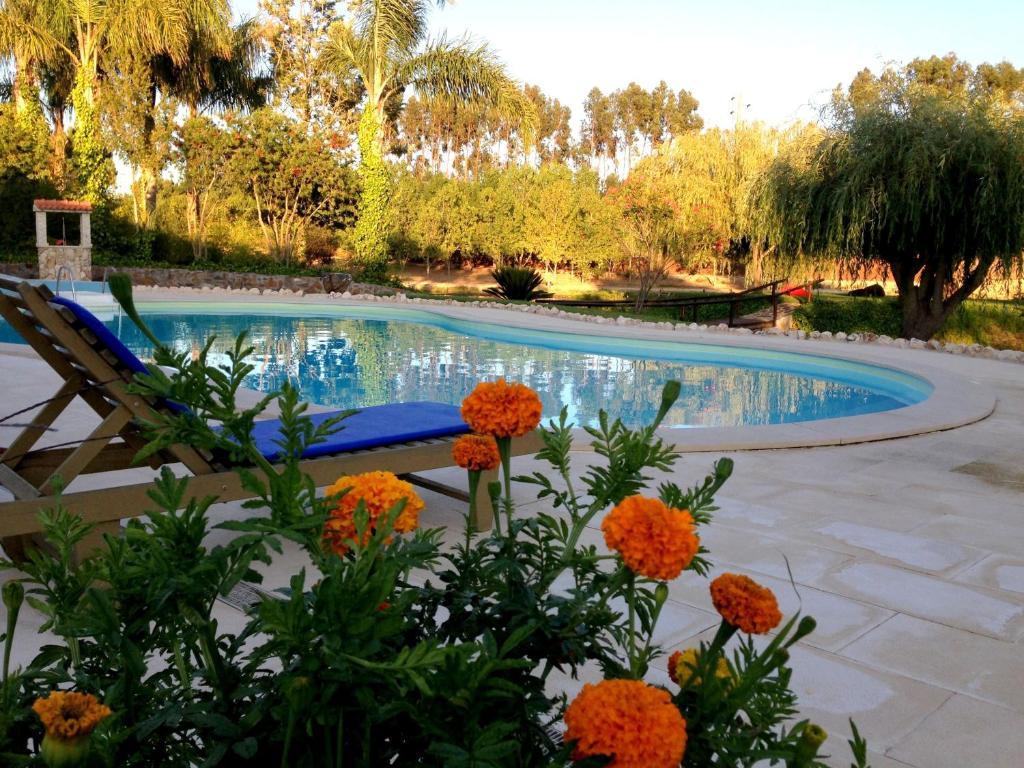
x=77 y=257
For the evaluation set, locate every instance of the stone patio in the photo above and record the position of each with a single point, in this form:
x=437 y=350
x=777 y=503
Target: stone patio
x=909 y=552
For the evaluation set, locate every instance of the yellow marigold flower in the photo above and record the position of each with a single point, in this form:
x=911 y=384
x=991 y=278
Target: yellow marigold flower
x=682 y=668
x=635 y=724
x=67 y=714
x=476 y=453
x=654 y=540
x=500 y=409
x=69 y=718
x=745 y=604
x=379 y=491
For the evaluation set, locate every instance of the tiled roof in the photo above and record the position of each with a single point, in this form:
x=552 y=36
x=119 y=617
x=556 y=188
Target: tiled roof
x=62 y=206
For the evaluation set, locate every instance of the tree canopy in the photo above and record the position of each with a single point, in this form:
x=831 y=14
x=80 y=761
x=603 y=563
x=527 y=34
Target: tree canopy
x=921 y=170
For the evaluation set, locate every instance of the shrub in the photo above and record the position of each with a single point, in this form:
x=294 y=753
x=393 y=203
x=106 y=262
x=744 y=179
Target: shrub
x=850 y=315
x=517 y=284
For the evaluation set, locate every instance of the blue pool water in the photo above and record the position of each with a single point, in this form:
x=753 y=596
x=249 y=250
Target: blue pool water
x=351 y=357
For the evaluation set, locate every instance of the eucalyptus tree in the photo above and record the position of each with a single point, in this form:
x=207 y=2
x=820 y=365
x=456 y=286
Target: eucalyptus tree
x=385 y=43
x=922 y=175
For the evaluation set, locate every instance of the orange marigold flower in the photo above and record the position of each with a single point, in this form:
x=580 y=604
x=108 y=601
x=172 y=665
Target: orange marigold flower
x=653 y=539
x=682 y=668
x=635 y=724
x=476 y=452
x=500 y=409
x=68 y=715
x=745 y=604
x=379 y=491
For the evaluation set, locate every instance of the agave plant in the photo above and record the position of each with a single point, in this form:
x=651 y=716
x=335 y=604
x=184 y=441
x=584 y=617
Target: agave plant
x=517 y=284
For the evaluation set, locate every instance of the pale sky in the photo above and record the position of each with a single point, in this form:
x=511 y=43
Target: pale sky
x=782 y=57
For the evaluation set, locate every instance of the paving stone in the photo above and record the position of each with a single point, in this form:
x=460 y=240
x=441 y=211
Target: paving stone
x=916 y=552
x=965 y=732
x=949 y=658
x=996 y=572
x=986 y=612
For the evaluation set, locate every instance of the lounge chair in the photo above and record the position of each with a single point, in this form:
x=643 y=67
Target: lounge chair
x=96 y=367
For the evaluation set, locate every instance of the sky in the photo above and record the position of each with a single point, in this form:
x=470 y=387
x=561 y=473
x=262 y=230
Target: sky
x=782 y=57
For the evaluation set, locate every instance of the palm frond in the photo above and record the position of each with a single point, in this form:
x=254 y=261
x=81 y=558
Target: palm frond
x=463 y=71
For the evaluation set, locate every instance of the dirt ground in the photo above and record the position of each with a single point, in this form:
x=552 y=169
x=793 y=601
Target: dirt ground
x=441 y=281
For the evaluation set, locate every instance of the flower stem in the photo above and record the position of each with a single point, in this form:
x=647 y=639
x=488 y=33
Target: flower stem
x=505 y=451
x=474 y=488
x=631 y=602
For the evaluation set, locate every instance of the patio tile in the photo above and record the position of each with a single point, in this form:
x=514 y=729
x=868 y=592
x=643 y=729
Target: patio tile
x=995 y=572
x=771 y=555
x=965 y=732
x=999 y=537
x=885 y=707
x=913 y=551
x=976 y=610
x=950 y=658
x=828 y=504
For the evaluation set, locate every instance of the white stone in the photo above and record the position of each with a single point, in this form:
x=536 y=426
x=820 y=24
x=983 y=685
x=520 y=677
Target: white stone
x=826 y=335
x=917 y=344
x=840 y=336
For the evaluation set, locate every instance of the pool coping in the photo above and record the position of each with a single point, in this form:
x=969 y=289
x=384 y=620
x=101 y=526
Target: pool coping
x=955 y=401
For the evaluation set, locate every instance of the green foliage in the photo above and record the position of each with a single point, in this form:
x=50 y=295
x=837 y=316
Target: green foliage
x=293 y=177
x=517 y=284
x=917 y=174
x=24 y=176
x=850 y=315
x=90 y=158
x=370 y=236
x=998 y=324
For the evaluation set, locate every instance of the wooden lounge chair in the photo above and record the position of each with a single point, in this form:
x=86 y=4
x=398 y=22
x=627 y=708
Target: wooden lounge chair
x=404 y=438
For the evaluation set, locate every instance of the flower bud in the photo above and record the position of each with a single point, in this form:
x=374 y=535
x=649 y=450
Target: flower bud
x=13 y=595
x=660 y=594
x=65 y=753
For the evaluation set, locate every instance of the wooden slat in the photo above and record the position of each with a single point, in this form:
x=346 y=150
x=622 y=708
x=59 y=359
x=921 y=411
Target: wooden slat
x=20 y=516
x=90 y=448
x=23 y=443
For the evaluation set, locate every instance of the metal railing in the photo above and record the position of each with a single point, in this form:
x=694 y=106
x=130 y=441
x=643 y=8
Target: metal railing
x=65 y=269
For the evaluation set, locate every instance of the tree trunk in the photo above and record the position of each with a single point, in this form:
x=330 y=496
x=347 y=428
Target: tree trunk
x=371 y=228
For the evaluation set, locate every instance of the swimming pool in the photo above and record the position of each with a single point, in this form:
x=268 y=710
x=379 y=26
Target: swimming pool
x=359 y=356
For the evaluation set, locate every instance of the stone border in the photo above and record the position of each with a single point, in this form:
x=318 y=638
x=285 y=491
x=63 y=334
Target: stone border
x=954 y=402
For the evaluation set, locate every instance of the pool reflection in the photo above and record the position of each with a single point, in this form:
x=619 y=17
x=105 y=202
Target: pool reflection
x=349 y=363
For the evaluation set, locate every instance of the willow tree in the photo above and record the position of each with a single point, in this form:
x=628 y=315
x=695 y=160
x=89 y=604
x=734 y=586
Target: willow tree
x=385 y=44
x=927 y=182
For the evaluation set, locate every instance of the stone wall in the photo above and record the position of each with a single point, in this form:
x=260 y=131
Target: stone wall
x=76 y=257
x=333 y=282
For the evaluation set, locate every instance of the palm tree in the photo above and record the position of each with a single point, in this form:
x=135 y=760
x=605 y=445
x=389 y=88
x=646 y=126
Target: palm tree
x=28 y=51
x=384 y=43
x=93 y=36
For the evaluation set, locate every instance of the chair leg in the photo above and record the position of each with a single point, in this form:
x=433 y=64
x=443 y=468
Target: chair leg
x=484 y=517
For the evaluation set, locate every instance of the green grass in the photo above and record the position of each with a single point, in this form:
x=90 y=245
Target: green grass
x=998 y=324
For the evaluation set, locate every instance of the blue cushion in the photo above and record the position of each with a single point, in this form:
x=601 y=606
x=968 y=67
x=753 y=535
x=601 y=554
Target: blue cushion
x=107 y=337
x=371 y=427
x=104 y=334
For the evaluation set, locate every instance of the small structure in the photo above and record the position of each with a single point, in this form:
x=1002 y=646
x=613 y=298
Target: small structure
x=70 y=246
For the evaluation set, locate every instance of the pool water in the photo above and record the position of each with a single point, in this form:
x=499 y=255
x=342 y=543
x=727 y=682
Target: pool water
x=374 y=355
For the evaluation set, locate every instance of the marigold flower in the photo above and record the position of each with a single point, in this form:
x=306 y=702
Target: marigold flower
x=682 y=668
x=653 y=539
x=379 y=491
x=500 y=409
x=635 y=724
x=745 y=604
x=476 y=453
x=69 y=715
